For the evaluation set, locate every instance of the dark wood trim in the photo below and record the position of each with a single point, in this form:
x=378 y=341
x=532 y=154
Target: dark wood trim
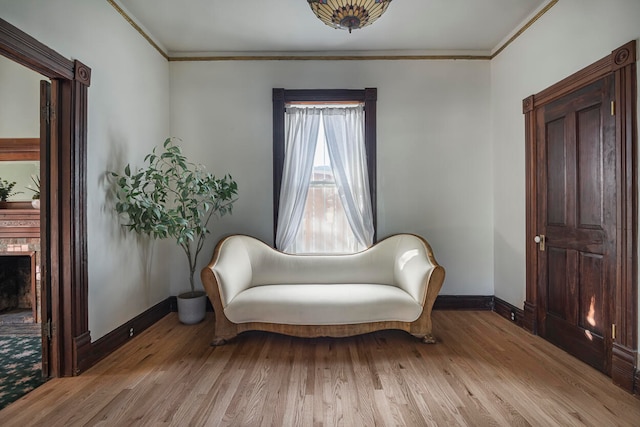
x=508 y=311
x=624 y=56
x=370 y=141
x=623 y=366
x=281 y=97
x=13 y=206
x=329 y=58
x=50 y=230
x=46 y=124
x=66 y=328
x=79 y=291
x=328 y=95
x=622 y=64
x=19 y=149
x=278 y=152
x=20 y=223
x=531 y=203
x=82 y=352
x=24 y=49
x=63 y=201
x=636 y=384
x=101 y=348
x=464 y=302
x=625 y=346
x=529 y=321
x=173 y=304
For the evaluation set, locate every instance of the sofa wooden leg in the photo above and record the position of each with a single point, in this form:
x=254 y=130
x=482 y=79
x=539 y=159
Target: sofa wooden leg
x=218 y=341
x=428 y=339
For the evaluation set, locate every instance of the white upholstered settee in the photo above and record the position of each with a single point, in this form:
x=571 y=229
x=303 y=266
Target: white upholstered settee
x=391 y=285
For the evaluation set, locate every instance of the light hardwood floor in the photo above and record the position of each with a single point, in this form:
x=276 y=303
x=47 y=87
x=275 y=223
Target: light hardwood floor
x=483 y=371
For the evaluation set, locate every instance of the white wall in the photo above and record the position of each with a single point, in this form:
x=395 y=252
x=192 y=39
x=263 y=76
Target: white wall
x=571 y=36
x=23 y=173
x=20 y=96
x=450 y=139
x=19 y=118
x=128 y=114
x=434 y=153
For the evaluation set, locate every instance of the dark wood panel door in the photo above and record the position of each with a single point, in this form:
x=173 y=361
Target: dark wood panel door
x=576 y=222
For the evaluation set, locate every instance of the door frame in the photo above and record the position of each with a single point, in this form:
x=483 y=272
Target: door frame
x=64 y=205
x=621 y=63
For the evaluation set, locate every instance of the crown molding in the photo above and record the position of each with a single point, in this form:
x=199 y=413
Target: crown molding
x=137 y=27
x=524 y=28
x=328 y=58
x=320 y=57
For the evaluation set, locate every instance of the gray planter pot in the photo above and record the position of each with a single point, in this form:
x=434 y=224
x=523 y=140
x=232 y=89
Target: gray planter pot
x=192 y=307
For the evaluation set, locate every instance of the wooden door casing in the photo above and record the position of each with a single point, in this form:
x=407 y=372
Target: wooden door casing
x=621 y=65
x=45 y=282
x=66 y=202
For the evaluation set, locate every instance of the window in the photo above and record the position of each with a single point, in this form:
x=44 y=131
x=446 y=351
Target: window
x=311 y=192
x=325 y=227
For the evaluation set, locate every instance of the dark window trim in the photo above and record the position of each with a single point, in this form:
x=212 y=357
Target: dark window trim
x=282 y=96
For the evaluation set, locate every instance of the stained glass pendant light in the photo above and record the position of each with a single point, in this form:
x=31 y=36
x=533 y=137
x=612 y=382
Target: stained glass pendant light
x=348 y=14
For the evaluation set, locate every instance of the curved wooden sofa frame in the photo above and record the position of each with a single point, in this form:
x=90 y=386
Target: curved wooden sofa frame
x=226 y=330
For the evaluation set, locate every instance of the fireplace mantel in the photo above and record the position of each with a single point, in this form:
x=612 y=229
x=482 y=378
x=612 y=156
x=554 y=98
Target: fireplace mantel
x=19 y=223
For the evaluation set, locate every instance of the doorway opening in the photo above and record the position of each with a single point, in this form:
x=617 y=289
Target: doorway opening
x=21 y=326
x=63 y=267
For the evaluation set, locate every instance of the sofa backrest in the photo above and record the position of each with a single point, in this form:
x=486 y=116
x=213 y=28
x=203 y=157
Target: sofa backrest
x=401 y=260
x=369 y=266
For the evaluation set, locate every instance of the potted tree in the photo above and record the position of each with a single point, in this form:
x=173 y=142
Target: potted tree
x=6 y=191
x=35 y=199
x=172 y=197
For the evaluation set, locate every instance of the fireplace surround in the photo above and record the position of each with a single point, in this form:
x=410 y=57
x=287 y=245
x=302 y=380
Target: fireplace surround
x=18 y=282
x=20 y=251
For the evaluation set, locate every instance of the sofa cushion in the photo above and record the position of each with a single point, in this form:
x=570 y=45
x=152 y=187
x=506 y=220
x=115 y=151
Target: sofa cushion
x=322 y=304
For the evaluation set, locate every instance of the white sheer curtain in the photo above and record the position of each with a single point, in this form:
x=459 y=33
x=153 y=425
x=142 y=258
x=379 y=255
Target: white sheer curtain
x=344 y=129
x=301 y=133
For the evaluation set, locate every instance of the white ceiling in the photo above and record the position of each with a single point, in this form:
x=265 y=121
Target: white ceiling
x=201 y=27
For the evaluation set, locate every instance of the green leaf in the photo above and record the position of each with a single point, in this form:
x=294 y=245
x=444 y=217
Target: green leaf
x=172 y=197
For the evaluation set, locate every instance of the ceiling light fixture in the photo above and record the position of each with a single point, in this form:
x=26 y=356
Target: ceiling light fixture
x=348 y=14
